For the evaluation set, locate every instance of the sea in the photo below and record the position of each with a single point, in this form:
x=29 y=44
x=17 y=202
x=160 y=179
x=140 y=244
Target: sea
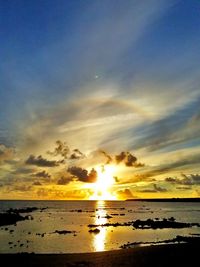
x=42 y=233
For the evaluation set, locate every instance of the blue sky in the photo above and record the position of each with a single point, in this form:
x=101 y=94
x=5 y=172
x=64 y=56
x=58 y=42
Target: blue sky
x=111 y=75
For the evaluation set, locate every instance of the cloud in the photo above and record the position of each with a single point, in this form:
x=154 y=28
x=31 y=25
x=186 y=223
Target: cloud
x=41 y=162
x=43 y=174
x=77 y=154
x=128 y=159
x=171 y=179
x=23 y=170
x=121 y=157
x=61 y=149
x=125 y=194
x=108 y=157
x=187 y=179
x=83 y=175
x=53 y=193
x=6 y=153
x=183 y=187
x=170 y=166
x=37 y=183
x=155 y=189
x=64 y=180
x=22 y=188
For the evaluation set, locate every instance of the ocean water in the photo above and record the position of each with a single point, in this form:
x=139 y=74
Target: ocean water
x=38 y=235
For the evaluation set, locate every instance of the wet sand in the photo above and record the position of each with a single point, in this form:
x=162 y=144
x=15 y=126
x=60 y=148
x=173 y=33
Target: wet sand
x=162 y=256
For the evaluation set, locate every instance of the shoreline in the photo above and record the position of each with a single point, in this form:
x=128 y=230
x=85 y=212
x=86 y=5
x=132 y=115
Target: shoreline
x=157 y=255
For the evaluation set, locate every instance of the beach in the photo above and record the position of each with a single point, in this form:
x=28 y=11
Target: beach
x=161 y=255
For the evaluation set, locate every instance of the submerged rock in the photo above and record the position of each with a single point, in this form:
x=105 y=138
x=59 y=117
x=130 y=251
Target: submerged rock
x=95 y=231
x=11 y=218
x=64 y=232
x=150 y=224
x=25 y=210
x=177 y=239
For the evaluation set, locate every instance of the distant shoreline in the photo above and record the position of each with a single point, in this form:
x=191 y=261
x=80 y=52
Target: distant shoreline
x=165 y=199
x=134 y=199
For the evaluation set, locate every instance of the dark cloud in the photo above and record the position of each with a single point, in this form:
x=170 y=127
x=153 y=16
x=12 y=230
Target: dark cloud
x=171 y=179
x=77 y=154
x=159 y=189
x=187 y=179
x=37 y=183
x=41 y=162
x=63 y=180
x=83 y=175
x=116 y=179
x=124 y=157
x=165 y=168
x=108 y=157
x=183 y=187
x=155 y=189
x=43 y=174
x=121 y=157
x=61 y=149
x=128 y=159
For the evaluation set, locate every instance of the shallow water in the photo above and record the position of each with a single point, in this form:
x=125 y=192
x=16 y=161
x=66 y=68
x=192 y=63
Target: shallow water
x=64 y=215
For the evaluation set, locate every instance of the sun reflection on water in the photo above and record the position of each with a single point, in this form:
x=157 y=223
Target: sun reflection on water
x=100 y=218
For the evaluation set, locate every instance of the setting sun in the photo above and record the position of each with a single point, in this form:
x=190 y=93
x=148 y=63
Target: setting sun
x=104 y=182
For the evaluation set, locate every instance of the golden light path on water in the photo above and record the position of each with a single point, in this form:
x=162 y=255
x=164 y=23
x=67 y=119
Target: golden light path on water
x=100 y=238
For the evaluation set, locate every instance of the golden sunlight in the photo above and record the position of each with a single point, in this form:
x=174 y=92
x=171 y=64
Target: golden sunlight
x=100 y=218
x=104 y=182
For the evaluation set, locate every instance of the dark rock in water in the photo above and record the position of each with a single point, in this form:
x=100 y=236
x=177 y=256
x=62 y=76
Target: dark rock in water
x=177 y=239
x=25 y=210
x=64 y=232
x=165 y=223
x=149 y=224
x=11 y=231
x=106 y=216
x=10 y=218
x=76 y=210
x=95 y=231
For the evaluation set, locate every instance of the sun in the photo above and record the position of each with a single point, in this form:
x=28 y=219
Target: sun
x=104 y=182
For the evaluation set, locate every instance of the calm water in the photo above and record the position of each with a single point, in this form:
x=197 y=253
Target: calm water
x=62 y=215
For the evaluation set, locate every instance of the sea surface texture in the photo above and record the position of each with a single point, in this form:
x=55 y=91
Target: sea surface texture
x=89 y=226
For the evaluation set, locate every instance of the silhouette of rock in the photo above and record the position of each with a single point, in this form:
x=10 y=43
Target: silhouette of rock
x=64 y=232
x=95 y=231
x=11 y=218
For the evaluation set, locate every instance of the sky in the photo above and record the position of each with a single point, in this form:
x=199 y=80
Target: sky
x=99 y=99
